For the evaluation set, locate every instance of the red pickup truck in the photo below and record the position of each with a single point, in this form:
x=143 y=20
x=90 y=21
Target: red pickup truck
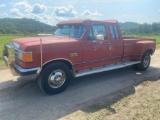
x=77 y=48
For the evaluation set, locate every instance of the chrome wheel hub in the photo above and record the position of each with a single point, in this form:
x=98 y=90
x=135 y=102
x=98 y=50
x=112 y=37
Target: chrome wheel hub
x=146 y=61
x=57 y=78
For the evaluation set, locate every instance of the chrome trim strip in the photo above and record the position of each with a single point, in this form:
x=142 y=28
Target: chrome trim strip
x=73 y=70
x=57 y=59
x=127 y=55
x=129 y=44
x=91 y=61
x=25 y=70
x=128 y=63
x=97 y=60
x=132 y=55
x=8 y=46
x=137 y=54
x=106 y=68
x=116 y=57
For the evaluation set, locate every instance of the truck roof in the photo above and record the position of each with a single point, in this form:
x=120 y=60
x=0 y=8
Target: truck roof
x=83 y=21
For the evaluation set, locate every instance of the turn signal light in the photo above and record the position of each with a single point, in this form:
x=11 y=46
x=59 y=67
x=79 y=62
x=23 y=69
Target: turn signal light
x=25 y=56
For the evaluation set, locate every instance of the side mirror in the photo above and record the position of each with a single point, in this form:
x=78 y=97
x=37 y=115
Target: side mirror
x=100 y=37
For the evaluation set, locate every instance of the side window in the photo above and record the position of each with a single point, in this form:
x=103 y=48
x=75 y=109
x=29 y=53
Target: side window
x=114 y=32
x=97 y=32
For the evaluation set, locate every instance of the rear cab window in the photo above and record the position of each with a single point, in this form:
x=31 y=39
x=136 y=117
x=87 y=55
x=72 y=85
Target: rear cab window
x=114 y=32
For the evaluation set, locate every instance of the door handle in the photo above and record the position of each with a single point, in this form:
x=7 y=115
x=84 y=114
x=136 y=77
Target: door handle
x=110 y=47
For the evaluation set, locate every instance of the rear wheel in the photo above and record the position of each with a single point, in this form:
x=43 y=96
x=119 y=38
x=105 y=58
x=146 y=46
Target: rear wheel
x=54 y=78
x=145 y=62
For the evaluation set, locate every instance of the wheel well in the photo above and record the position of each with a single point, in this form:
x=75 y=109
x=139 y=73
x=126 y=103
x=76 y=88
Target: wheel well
x=63 y=61
x=150 y=51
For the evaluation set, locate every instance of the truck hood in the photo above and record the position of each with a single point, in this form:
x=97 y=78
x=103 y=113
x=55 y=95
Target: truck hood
x=45 y=39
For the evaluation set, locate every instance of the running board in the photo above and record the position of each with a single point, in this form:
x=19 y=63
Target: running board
x=105 y=68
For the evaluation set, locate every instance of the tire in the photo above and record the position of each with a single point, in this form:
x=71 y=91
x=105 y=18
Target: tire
x=54 y=78
x=145 y=62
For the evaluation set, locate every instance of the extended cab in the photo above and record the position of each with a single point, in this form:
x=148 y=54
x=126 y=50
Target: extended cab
x=77 y=48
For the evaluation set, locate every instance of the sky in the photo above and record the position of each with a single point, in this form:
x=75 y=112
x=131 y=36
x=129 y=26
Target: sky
x=53 y=11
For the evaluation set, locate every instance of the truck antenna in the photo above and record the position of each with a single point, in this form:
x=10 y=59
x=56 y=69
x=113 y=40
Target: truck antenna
x=39 y=70
x=41 y=51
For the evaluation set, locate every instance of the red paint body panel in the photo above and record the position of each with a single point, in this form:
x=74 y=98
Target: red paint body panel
x=53 y=48
x=136 y=47
x=90 y=54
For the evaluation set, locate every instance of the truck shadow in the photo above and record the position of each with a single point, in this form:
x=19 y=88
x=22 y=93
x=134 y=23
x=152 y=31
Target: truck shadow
x=82 y=93
x=106 y=101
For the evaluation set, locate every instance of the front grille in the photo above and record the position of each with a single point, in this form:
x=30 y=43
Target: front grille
x=5 y=51
x=11 y=52
x=16 y=53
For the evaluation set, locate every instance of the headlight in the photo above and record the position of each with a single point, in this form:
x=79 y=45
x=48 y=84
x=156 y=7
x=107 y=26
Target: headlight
x=25 y=56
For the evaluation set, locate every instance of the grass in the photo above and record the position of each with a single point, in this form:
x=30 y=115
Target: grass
x=157 y=39
x=144 y=104
x=5 y=39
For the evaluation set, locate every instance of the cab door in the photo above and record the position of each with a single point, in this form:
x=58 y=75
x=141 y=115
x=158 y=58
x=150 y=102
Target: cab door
x=96 y=47
x=116 y=43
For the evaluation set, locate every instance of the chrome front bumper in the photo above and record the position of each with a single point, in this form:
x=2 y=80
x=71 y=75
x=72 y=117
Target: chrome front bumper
x=8 y=57
x=16 y=70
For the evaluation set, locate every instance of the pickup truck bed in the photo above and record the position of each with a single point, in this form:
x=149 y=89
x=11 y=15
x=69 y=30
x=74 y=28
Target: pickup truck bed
x=136 y=46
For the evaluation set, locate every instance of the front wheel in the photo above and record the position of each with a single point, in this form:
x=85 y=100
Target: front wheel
x=54 y=78
x=145 y=62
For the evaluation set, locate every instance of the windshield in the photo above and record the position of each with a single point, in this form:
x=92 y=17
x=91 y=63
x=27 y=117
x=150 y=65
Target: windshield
x=70 y=30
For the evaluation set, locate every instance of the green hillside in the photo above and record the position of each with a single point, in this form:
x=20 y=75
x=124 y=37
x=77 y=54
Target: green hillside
x=140 y=29
x=128 y=25
x=24 y=26
x=30 y=26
